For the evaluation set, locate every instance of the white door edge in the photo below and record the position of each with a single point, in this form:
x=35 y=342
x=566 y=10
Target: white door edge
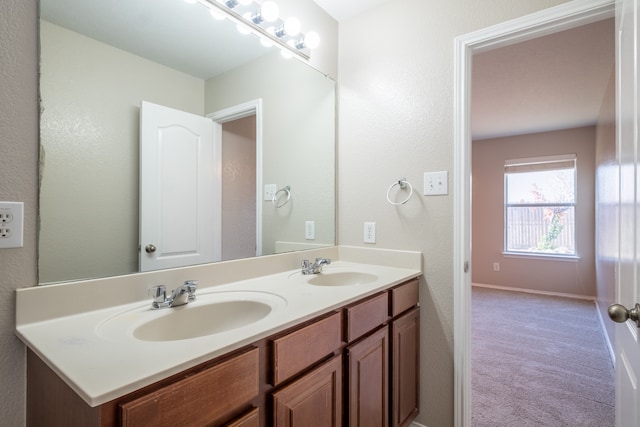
x=548 y=21
x=238 y=112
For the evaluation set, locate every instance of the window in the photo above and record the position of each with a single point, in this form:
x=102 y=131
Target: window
x=540 y=205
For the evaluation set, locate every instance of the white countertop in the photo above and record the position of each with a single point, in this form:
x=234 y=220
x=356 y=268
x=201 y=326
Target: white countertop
x=96 y=354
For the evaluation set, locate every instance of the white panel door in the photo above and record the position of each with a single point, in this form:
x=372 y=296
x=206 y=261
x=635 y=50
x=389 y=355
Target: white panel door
x=179 y=189
x=628 y=283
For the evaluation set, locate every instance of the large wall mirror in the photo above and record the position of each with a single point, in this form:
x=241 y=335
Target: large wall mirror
x=101 y=59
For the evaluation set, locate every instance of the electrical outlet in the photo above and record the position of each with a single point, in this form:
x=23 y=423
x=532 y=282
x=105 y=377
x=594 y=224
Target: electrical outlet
x=269 y=192
x=310 y=230
x=11 y=220
x=496 y=266
x=369 y=232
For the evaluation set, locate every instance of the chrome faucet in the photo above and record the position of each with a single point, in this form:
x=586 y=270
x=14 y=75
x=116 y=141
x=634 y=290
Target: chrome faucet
x=179 y=296
x=316 y=267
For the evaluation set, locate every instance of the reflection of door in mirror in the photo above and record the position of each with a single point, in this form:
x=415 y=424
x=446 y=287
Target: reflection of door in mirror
x=239 y=188
x=179 y=191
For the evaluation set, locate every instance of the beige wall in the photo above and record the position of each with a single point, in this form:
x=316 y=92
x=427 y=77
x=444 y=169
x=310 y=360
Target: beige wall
x=396 y=120
x=541 y=274
x=91 y=149
x=606 y=200
x=19 y=177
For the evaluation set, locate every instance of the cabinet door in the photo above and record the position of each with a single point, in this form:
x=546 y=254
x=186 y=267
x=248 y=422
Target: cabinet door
x=405 y=339
x=368 y=378
x=314 y=400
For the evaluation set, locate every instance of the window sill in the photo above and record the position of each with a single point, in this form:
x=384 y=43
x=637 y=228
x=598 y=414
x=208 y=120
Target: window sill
x=547 y=257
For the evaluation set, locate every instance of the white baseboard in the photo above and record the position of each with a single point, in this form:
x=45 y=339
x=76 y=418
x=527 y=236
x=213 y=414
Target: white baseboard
x=533 y=291
x=612 y=352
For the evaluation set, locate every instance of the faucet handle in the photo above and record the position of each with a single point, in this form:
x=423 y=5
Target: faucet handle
x=306 y=263
x=158 y=293
x=191 y=286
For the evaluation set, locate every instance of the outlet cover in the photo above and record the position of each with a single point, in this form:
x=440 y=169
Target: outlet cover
x=310 y=230
x=369 y=232
x=11 y=224
x=269 y=191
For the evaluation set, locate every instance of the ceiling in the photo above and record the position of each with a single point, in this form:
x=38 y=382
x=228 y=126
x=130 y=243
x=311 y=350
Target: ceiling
x=343 y=9
x=548 y=83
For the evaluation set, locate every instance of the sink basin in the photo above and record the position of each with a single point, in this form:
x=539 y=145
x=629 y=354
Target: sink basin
x=209 y=314
x=342 y=278
x=192 y=321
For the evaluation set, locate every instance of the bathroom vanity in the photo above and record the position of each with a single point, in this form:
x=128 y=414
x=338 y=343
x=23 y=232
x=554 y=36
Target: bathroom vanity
x=342 y=351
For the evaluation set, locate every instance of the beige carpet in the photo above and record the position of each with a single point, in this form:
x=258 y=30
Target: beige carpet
x=538 y=361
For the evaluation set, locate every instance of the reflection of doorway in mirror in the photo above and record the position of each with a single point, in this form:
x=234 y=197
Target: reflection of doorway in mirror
x=239 y=188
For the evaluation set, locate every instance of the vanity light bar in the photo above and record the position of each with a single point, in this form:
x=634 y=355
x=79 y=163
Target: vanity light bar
x=249 y=14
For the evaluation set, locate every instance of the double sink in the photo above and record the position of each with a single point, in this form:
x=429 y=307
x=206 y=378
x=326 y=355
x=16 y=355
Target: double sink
x=216 y=312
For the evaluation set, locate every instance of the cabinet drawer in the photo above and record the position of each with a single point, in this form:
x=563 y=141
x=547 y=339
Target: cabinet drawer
x=404 y=297
x=366 y=316
x=203 y=398
x=300 y=349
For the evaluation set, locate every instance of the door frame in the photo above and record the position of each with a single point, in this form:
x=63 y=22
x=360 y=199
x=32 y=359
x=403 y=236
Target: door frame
x=563 y=17
x=235 y=112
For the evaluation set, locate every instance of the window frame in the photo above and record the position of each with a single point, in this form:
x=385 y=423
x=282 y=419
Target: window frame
x=540 y=164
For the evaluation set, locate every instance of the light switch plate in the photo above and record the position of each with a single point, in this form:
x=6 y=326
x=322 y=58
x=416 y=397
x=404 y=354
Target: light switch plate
x=436 y=183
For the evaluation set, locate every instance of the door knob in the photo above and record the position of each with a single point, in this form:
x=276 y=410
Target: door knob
x=619 y=313
x=150 y=248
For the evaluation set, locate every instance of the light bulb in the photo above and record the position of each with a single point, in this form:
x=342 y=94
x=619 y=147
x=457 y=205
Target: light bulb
x=312 y=40
x=266 y=42
x=269 y=11
x=229 y=3
x=292 y=26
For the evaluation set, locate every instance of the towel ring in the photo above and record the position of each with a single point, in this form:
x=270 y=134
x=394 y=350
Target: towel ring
x=286 y=190
x=402 y=183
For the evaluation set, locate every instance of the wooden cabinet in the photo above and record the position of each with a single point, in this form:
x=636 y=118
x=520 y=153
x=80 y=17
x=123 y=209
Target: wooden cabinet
x=405 y=371
x=314 y=400
x=384 y=362
x=356 y=366
x=368 y=380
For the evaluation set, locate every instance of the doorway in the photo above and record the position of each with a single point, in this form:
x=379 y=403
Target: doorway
x=241 y=125
x=238 y=182
x=563 y=17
